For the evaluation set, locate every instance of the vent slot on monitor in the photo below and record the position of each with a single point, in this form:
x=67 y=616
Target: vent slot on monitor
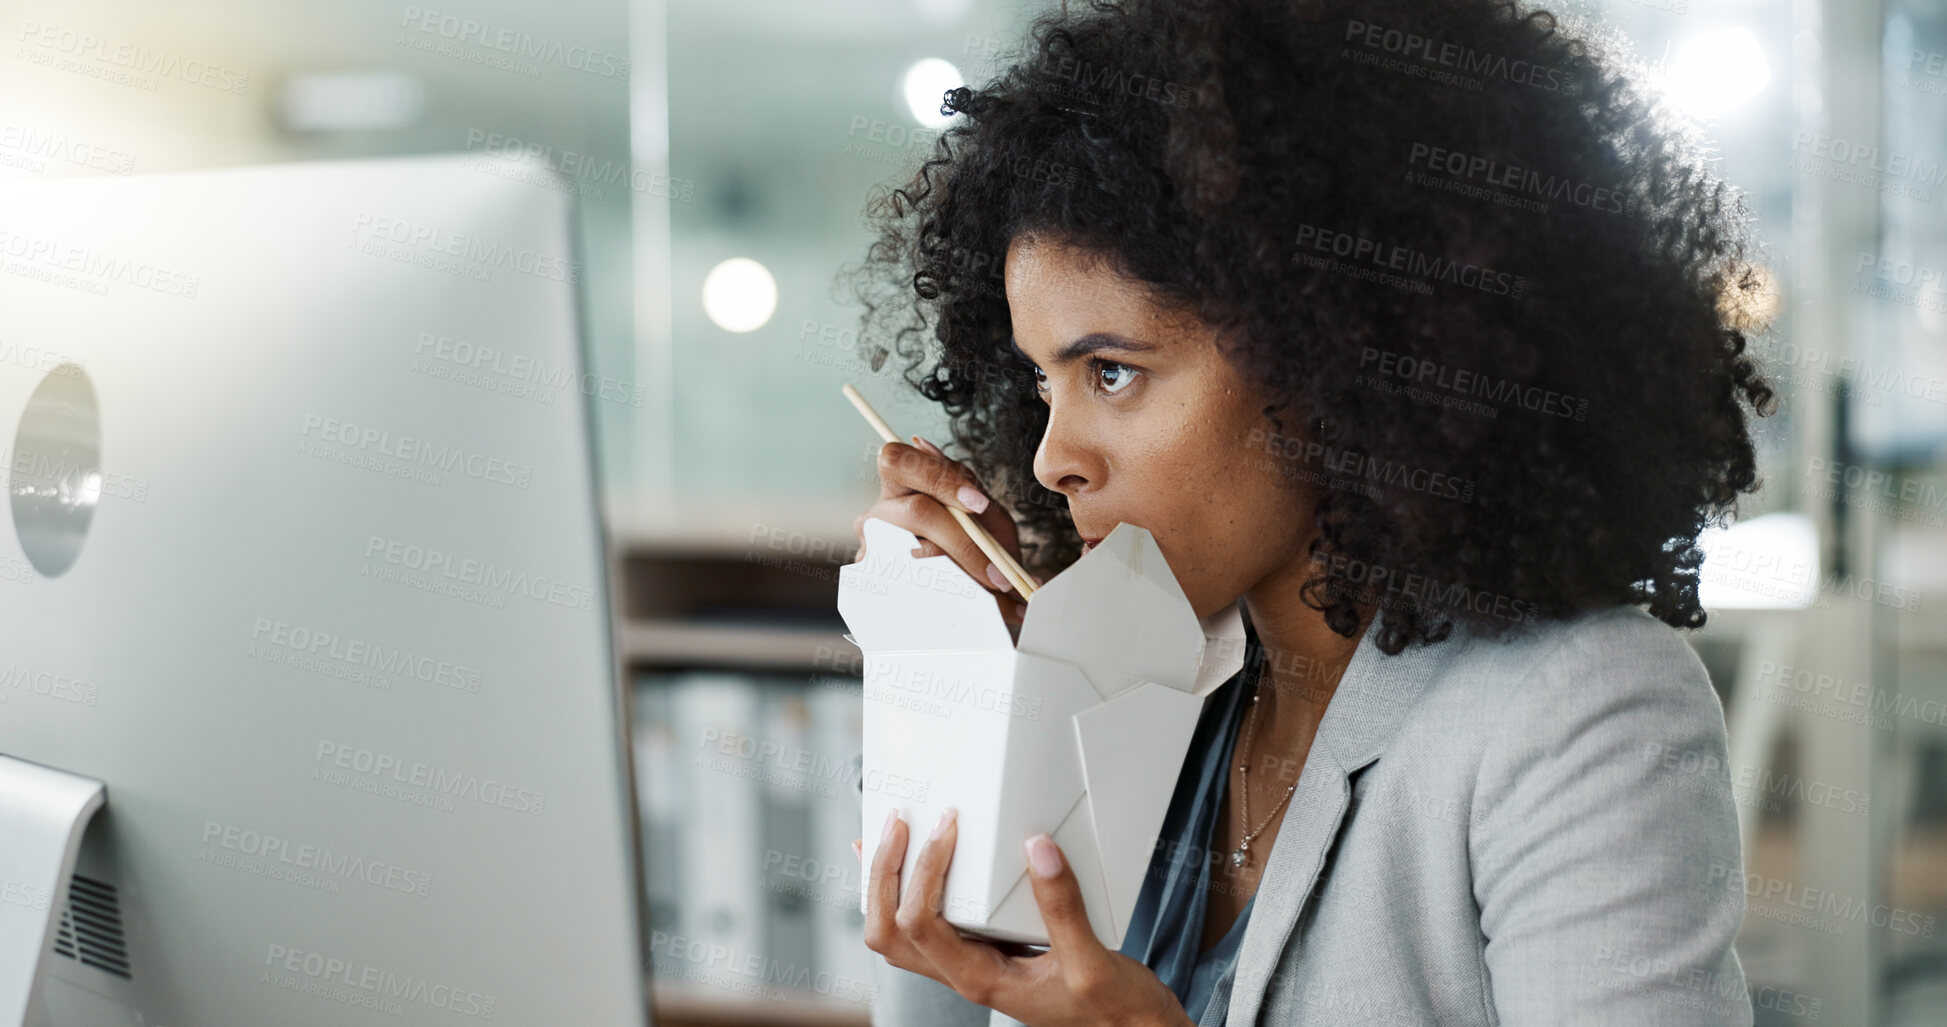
x=91 y=927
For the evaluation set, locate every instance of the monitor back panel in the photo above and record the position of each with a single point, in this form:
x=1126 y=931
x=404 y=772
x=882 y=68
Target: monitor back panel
x=333 y=621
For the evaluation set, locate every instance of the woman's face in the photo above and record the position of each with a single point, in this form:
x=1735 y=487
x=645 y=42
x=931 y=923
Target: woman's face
x=1149 y=424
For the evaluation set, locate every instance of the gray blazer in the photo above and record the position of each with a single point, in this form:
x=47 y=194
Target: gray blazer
x=1538 y=830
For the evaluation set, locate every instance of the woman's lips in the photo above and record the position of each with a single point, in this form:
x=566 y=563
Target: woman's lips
x=1089 y=543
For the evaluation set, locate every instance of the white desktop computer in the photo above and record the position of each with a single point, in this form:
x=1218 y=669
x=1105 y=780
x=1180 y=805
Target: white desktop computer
x=308 y=702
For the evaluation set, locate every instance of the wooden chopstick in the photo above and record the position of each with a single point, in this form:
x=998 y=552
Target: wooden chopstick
x=1011 y=570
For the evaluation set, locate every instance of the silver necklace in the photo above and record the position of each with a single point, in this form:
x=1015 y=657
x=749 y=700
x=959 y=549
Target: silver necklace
x=1242 y=854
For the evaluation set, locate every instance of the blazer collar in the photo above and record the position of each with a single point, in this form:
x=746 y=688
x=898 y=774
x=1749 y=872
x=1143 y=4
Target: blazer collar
x=1366 y=710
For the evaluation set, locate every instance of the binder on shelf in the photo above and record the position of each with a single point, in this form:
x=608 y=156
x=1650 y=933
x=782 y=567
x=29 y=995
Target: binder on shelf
x=786 y=763
x=838 y=725
x=723 y=909
x=662 y=782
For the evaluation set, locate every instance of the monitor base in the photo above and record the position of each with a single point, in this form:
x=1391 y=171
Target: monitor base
x=43 y=812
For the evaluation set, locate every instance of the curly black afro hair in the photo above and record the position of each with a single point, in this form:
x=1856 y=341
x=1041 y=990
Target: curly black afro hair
x=1455 y=240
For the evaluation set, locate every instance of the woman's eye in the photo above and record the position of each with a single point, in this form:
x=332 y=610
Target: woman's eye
x=1124 y=376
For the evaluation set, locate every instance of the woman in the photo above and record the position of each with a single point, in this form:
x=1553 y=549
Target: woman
x=1416 y=334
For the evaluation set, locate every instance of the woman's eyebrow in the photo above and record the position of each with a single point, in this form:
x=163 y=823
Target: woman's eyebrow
x=1093 y=342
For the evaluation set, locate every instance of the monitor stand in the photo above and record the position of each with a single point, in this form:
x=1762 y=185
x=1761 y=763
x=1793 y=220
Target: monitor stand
x=43 y=812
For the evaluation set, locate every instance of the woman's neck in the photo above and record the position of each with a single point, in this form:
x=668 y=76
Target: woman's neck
x=1303 y=660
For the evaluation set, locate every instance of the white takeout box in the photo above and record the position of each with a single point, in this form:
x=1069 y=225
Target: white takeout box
x=1078 y=730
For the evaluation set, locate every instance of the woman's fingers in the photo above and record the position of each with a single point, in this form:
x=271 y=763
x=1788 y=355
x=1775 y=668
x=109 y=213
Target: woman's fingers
x=975 y=969
x=998 y=522
x=920 y=910
x=918 y=488
x=882 y=934
x=882 y=891
x=904 y=468
x=1059 y=898
x=923 y=517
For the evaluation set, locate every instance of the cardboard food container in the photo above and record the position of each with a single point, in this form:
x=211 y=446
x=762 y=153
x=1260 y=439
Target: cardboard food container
x=1077 y=729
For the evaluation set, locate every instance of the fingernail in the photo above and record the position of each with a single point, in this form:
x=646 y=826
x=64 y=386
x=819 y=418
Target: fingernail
x=1000 y=580
x=945 y=819
x=892 y=817
x=1043 y=857
x=971 y=498
x=858 y=851
x=928 y=446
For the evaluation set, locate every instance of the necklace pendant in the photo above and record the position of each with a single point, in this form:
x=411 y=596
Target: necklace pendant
x=1237 y=856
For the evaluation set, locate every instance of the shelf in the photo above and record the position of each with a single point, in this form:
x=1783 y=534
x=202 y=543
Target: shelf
x=665 y=643
x=731 y=527
x=678 y=1004
x=709 y=590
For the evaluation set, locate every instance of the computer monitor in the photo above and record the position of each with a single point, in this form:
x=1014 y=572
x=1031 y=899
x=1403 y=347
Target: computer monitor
x=302 y=560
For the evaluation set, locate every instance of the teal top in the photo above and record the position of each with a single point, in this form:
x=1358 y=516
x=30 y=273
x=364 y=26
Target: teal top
x=1166 y=926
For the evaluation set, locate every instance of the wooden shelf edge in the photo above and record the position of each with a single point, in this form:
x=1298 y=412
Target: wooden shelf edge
x=651 y=643
x=729 y=526
x=679 y=1004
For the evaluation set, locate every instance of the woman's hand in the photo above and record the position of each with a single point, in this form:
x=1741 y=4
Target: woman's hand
x=1077 y=981
x=916 y=485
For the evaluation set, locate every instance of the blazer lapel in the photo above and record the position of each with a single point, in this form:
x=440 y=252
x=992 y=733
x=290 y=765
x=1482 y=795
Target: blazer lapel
x=1365 y=712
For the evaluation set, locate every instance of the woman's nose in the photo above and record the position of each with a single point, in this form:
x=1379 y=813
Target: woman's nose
x=1061 y=462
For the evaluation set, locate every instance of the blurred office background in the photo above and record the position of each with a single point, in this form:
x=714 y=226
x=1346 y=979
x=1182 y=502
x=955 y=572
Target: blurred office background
x=723 y=151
